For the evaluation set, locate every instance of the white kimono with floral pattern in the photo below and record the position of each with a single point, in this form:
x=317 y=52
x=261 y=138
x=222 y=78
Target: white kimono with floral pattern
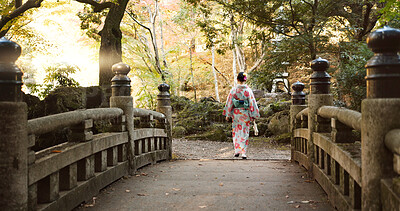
x=242 y=117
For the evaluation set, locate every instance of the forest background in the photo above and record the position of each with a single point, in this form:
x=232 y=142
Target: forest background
x=195 y=46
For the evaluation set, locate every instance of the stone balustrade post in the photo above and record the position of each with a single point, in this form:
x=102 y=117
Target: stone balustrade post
x=164 y=106
x=380 y=113
x=13 y=131
x=298 y=104
x=303 y=121
x=341 y=133
x=319 y=96
x=121 y=98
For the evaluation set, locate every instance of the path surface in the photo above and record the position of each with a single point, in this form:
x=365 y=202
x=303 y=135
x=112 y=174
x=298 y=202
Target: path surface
x=185 y=149
x=214 y=185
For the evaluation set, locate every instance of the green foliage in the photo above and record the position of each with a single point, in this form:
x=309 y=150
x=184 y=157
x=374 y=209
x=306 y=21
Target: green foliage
x=6 y=7
x=58 y=75
x=391 y=13
x=138 y=56
x=91 y=21
x=351 y=86
x=262 y=78
x=198 y=116
x=280 y=106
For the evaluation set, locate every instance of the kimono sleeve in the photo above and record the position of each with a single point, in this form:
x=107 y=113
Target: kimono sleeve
x=254 y=111
x=228 y=109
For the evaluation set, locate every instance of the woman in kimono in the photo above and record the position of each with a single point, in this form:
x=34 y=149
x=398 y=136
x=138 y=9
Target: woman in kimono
x=241 y=106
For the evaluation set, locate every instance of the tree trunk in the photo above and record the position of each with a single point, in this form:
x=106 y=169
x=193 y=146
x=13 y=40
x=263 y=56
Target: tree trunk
x=233 y=37
x=191 y=71
x=164 y=60
x=179 y=79
x=241 y=59
x=110 y=48
x=154 y=32
x=215 y=73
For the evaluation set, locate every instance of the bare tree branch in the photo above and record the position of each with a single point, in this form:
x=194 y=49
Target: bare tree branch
x=140 y=24
x=258 y=62
x=152 y=39
x=207 y=62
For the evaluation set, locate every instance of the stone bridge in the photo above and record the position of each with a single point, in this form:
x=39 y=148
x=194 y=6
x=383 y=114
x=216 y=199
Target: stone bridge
x=355 y=173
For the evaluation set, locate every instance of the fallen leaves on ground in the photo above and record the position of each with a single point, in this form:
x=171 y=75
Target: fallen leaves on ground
x=201 y=160
x=91 y=204
x=221 y=184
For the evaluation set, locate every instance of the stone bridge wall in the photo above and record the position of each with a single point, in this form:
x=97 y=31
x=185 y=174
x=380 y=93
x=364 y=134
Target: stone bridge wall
x=356 y=173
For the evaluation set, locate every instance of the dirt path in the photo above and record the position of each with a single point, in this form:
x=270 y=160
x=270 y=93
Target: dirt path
x=189 y=149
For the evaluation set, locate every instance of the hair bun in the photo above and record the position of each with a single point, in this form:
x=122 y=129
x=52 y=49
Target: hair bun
x=242 y=76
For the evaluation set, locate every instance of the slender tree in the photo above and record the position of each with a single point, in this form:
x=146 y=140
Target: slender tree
x=186 y=19
x=215 y=73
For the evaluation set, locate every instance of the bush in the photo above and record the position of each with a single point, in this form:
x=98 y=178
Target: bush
x=351 y=85
x=279 y=123
x=180 y=103
x=178 y=131
x=58 y=75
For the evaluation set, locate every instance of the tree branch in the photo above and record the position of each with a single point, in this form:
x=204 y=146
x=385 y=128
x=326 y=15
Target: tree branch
x=18 y=3
x=293 y=15
x=151 y=35
x=308 y=3
x=98 y=7
x=15 y=13
x=207 y=62
x=258 y=62
x=140 y=24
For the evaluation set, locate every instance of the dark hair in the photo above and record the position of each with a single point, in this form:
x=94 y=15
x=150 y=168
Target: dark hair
x=242 y=77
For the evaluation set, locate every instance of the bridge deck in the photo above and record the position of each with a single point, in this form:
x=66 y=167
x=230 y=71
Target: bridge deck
x=214 y=185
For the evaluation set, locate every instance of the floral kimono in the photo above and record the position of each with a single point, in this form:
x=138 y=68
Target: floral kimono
x=241 y=115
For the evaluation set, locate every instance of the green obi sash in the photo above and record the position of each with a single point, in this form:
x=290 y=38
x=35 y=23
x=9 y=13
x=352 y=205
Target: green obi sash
x=240 y=103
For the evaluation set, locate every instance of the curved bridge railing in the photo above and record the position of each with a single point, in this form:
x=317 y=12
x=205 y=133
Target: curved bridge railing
x=354 y=156
x=337 y=162
x=62 y=176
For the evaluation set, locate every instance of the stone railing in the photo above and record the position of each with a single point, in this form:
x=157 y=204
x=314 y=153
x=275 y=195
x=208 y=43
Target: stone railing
x=337 y=161
x=391 y=186
x=356 y=173
x=63 y=176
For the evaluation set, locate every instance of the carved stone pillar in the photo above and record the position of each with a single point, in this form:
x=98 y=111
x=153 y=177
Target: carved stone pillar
x=319 y=96
x=13 y=131
x=380 y=113
x=164 y=106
